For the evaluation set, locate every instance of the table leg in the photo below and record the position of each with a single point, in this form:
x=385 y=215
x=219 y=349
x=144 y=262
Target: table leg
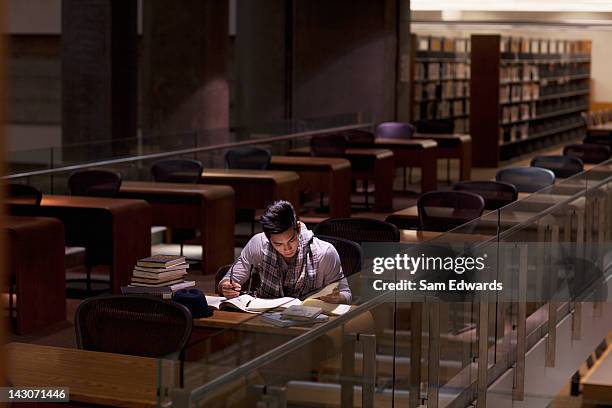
x=429 y=171
x=217 y=231
x=340 y=193
x=384 y=170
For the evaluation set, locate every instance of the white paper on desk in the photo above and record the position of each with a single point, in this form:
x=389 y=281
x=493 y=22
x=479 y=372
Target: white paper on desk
x=327 y=290
x=215 y=301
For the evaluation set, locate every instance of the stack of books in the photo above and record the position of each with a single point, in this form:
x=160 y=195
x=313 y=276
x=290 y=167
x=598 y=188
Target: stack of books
x=159 y=275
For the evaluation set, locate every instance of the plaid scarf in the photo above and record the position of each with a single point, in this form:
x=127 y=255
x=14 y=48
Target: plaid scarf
x=279 y=279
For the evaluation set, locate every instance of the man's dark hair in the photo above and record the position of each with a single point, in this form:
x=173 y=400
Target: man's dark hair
x=278 y=218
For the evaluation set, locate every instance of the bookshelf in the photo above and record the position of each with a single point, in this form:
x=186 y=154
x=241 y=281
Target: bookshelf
x=526 y=94
x=440 y=81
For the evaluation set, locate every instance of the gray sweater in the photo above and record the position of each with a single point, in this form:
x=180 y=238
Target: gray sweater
x=330 y=268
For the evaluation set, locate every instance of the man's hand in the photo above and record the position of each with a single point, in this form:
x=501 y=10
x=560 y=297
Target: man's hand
x=230 y=290
x=334 y=297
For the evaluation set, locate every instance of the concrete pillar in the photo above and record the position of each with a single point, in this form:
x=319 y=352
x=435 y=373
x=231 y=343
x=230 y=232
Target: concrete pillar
x=185 y=52
x=99 y=74
x=405 y=62
x=262 y=62
x=344 y=58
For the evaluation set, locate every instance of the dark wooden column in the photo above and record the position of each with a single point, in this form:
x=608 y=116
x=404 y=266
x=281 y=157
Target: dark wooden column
x=185 y=52
x=99 y=74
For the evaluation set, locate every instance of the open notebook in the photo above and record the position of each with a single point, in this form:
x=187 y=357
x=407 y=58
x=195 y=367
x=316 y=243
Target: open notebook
x=250 y=304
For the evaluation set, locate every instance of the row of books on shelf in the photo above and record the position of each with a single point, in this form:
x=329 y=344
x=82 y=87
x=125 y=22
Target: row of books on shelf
x=462 y=124
x=523 y=131
x=442 y=108
x=516 y=73
x=543 y=47
x=534 y=91
x=528 y=111
x=444 y=90
x=441 y=70
x=159 y=275
x=555 y=70
x=442 y=44
x=522 y=92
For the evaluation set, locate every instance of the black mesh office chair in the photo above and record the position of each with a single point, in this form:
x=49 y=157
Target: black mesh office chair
x=350 y=253
x=588 y=152
x=495 y=193
x=136 y=325
x=359 y=138
x=526 y=179
x=561 y=166
x=328 y=146
x=445 y=210
x=358 y=230
x=177 y=171
x=253 y=158
x=94 y=183
x=23 y=194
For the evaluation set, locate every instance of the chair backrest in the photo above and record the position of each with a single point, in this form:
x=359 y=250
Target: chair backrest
x=328 y=146
x=249 y=157
x=359 y=138
x=445 y=210
x=562 y=166
x=350 y=253
x=131 y=324
x=395 y=130
x=495 y=193
x=23 y=194
x=439 y=126
x=177 y=171
x=358 y=230
x=526 y=179
x=95 y=183
x=588 y=152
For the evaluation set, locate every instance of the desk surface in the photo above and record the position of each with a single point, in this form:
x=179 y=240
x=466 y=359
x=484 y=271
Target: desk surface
x=417 y=237
x=597 y=384
x=333 y=163
x=224 y=319
x=407 y=143
x=67 y=201
x=239 y=174
x=603 y=126
x=351 y=152
x=93 y=377
x=144 y=187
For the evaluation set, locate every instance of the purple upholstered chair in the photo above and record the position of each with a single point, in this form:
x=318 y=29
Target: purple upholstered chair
x=395 y=130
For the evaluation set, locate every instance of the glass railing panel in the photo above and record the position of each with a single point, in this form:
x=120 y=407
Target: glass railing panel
x=144 y=144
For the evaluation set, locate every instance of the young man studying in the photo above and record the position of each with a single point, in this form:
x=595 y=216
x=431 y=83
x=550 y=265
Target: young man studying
x=289 y=259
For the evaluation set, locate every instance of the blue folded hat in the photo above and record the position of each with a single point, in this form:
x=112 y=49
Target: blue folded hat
x=194 y=300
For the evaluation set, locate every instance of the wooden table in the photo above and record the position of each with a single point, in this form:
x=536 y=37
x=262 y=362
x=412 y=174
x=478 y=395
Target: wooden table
x=597 y=384
x=114 y=230
x=256 y=189
x=453 y=146
x=415 y=153
x=328 y=175
x=209 y=208
x=409 y=217
x=604 y=129
x=375 y=165
x=419 y=237
x=35 y=248
x=92 y=377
